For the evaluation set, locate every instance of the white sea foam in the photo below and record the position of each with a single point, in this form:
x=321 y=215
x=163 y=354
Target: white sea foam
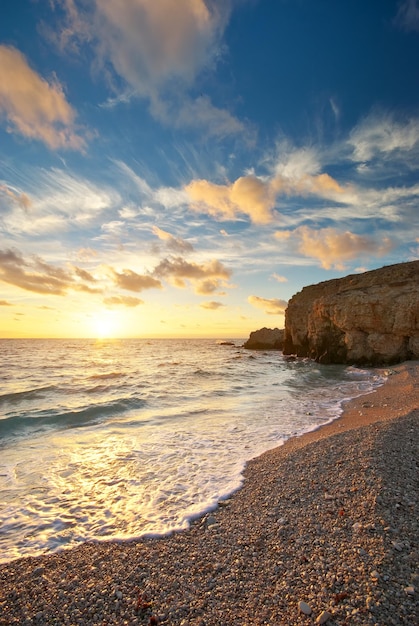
x=123 y=439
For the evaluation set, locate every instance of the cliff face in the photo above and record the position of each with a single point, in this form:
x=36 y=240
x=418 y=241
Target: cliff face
x=370 y=318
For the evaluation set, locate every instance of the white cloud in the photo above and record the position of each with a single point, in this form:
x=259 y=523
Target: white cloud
x=381 y=135
x=59 y=202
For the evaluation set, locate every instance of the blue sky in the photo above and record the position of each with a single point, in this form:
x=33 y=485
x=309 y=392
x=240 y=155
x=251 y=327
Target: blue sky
x=183 y=167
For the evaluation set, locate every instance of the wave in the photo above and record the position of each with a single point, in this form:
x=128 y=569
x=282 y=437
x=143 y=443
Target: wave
x=21 y=396
x=63 y=420
x=106 y=376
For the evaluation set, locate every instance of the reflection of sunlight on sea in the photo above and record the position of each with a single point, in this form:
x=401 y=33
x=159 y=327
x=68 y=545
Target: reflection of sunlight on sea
x=132 y=438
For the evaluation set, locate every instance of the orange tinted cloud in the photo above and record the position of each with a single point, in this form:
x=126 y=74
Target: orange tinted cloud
x=271 y=306
x=175 y=244
x=333 y=247
x=34 y=107
x=256 y=197
x=248 y=195
x=131 y=281
x=206 y=277
x=212 y=306
x=128 y=301
x=34 y=275
x=21 y=199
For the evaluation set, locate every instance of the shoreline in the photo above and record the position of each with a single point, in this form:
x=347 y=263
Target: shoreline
x=315 y=522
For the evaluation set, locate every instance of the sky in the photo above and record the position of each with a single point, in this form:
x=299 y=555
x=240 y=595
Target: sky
x=182 y=168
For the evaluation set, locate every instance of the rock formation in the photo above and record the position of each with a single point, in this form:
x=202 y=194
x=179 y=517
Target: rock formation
x=370 y=318
x=266 y=339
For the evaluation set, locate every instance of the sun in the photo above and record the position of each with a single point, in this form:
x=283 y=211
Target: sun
x=105 y=325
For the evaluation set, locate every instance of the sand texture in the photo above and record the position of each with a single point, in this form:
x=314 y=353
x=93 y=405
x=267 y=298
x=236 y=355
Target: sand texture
x=324 y=530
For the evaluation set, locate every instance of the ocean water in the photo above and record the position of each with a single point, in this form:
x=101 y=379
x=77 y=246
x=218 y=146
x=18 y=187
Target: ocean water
x=126 y=438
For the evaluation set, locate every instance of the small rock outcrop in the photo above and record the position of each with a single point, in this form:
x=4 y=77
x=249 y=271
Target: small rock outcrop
x=266 y=339
x=366 y=319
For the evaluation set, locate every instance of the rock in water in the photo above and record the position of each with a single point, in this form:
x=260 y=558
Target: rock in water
x=370 y=318
x=266 y=339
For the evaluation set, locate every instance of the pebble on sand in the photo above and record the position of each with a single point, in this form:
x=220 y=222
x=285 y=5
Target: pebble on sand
x=304 y=608
x=323 y=617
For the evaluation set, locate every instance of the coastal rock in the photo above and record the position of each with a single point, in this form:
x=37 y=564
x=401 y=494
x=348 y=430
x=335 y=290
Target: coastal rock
x=266 y=339
x=370 y=318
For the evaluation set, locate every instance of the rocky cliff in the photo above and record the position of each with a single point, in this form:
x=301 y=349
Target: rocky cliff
x=370 y=318
x=266 y=339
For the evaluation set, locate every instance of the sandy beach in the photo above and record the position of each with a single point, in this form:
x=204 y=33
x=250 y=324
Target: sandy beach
x=324 y=530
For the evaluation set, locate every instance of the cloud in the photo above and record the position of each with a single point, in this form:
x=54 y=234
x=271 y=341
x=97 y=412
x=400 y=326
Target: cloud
x=158 y=49
x=34 y=275
x=149 y=43
x=84 y=275
x=270 y=306
x=211 y=306
x=256 y=197
x=189 y=113
x=407 y=16
x=280 y=279
x=248 y=195
x=60 y=202
x=34 y=107
x=20 y=199
x=128 y=301
x=5 y=303
x=174 y=244
x=131 y=281
x=381 y=135
x=333 y=247
x=206 y=277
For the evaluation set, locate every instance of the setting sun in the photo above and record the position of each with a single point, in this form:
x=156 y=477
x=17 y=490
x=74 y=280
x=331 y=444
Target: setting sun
x=105 y=324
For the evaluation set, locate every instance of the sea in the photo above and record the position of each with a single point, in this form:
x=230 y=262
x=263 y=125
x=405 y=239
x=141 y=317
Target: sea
x=127 y=438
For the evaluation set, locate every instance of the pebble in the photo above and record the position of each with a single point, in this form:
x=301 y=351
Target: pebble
x=323 y=617
x=304 y=608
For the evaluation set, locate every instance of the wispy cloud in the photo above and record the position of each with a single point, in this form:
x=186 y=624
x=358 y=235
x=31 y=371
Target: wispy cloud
x=33 y=107
x=15 y=197
x=408 y=15
x=271 y=306
x=380 y=134
x=57 y=202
